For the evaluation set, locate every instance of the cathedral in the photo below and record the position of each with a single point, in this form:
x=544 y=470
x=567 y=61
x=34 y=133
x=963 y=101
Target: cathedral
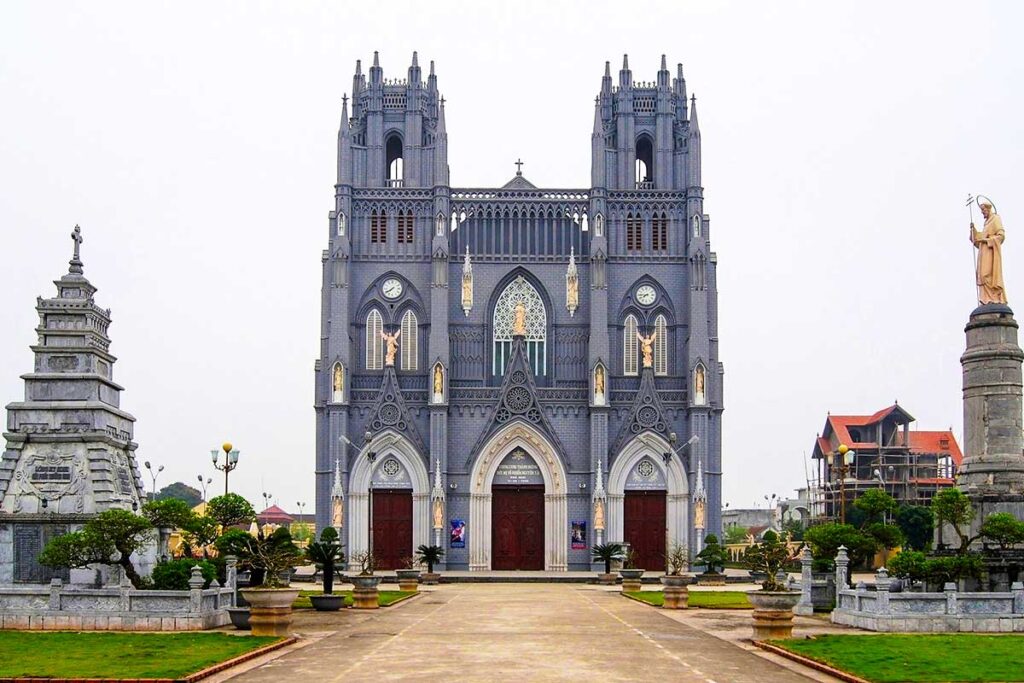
x=518 y=373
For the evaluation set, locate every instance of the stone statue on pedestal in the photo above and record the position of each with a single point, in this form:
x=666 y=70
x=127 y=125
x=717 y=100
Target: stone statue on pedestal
x=989 y=267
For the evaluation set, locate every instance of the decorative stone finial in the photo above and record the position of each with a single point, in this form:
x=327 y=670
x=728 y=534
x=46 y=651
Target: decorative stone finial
x=76 y=261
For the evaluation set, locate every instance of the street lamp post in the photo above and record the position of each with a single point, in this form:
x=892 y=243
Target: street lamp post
x=266 y=499
x=203 y=484
x=153 y=473
x=230 y=461
x=846 y=457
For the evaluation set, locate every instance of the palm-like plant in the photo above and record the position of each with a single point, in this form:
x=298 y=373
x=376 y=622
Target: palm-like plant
x=607 y=553
x=327 y=553
x=429 y=555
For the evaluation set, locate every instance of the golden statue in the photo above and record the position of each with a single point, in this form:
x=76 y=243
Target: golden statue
x=438 y=513
x=698 y=514
x=989 y=243
x=598 y=515
x=699 y=396
x=646 y=344
x=438 y=384
x=392 y=342
x=338 y=383
x=519 y=323
x=599 y=384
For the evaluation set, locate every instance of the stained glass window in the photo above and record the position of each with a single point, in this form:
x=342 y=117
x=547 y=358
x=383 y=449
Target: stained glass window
x=536 y=326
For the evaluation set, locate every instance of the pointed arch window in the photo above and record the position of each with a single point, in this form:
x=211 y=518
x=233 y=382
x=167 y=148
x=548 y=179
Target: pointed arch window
x=634 y=232
x=410 y=341
x=661 y=346
x=374 y=344
x=405 y=227
x=378 y=227
x=395 y=163
x=520 y=290
x=659 y=232
x=629 y=346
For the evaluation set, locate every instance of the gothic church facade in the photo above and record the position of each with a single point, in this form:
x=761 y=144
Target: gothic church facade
x=516 y=373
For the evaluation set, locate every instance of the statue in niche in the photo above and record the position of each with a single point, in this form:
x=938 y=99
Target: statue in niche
x=337 y=383
x=438 y=513
x=599 y=515
x=698 y=514
x=572 y=284
x=438 y=384
x=599 y=385
x=646 y=346
x=337 y=512
x=519 y=322
x=989 y=267
x=699 y=395
x=392 y=341
x=467 y=284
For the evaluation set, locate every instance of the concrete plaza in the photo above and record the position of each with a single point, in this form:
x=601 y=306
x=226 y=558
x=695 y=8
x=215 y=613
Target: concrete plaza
x=526 y=632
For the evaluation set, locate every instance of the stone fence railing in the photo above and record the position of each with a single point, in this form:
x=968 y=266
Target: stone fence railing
x=117 y=608
x=908 y=611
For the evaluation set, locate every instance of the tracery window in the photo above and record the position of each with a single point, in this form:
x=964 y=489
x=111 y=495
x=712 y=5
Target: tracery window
x=409 y=341
x=661 y=346
x=629 y=346
x=405 y=227
x=634 y=232
x=378 y=227
x=520 y=290
x=374 y=344
x=659 y=232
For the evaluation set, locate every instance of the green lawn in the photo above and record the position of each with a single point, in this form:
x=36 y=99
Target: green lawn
x=384 y=598
x=918 y=657
x=708 y=599
x=64 y=654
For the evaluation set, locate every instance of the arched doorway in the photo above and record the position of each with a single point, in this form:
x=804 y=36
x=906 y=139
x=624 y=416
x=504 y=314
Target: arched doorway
x=389 y=502
x=648 y=500
x=512 y=507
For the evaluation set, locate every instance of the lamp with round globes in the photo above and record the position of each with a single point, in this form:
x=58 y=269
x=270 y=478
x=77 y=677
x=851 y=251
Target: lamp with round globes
x=230 y=461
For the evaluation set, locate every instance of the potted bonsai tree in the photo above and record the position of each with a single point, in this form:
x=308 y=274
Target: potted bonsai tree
x=408 y=576
x=326 y=554
x=365 y=592
x=713 y=557
x=607 y=553
x=429 y=555
x=272 y=557
x=675 y=594
x=630 y=573
x=773 y=604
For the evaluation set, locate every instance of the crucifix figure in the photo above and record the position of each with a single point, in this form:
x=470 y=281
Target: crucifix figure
x=519 y=166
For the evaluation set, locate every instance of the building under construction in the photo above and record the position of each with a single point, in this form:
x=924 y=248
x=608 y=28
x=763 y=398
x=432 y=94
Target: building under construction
x=881 y=451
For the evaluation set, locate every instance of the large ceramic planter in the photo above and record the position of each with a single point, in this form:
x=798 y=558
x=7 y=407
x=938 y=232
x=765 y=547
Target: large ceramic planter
x=364 y=591
x=270 y=610
x=408 y=579
x=676 y=596
x=430 y=578
x=710 y=579
x=631 y=579
x=240 y=618
x=773 y=613
x=327 y=603
x=607 y=579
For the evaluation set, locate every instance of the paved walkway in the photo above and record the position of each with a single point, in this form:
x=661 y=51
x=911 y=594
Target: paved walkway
x=515 y=632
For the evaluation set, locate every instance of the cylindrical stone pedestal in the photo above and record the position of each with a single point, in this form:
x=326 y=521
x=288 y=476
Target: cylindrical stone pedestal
x=675 y=593
x=364 y=592
x=993 y=464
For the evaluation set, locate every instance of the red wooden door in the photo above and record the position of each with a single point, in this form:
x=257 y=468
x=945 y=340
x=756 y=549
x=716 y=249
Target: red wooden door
x=517 y=527
x=392 y=527
x=644 y=527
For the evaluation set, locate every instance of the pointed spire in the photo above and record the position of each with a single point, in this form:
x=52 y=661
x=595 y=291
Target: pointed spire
x=606 y=80
x=343 y=128
x=607 y=69
x=431 y=67
x=337 y=491
x=359 y=67
x=700 y=493
x=415 y=58
x=663 y=74
x=75 y=264
x=376 y=73
x=437 y=493
x=376 y=59
x=625 y=62
x=599 y=485
x=625 y=75
x=598 y=123
x=694 y=126
x=441 y=128
x=664 y=63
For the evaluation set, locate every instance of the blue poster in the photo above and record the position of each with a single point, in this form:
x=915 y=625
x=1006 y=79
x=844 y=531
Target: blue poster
x=458 y=539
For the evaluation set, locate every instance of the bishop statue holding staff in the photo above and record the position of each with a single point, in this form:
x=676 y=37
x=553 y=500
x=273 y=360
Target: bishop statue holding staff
x=989 y=243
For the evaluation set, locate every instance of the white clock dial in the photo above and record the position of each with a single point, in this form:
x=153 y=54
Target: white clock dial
x=646 y=295
x=392 y=288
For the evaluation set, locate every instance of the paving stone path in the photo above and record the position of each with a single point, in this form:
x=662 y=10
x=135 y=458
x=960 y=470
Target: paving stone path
x=515 y=632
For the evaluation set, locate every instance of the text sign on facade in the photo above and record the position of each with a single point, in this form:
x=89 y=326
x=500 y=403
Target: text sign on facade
x=518 y=468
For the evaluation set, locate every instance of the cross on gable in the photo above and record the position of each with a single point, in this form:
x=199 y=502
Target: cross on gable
x=519 y=166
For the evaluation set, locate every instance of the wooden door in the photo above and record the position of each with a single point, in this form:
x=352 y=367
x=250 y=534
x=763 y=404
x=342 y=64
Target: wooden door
x=644 y=527
x=517 y=527
x=392 y=527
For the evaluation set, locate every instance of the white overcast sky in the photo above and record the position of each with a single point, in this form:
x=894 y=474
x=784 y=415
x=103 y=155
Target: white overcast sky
x=195 y=144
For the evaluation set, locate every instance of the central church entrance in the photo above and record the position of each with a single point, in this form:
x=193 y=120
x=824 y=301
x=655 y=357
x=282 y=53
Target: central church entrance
x=392 y=527
x=644 y=527
x=517 y=527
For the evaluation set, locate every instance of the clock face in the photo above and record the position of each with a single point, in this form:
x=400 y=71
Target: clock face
x=392 y=288
x=646 y=295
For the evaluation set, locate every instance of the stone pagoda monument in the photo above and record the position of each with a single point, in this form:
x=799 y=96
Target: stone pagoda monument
x=992 y=472
x=69 y=451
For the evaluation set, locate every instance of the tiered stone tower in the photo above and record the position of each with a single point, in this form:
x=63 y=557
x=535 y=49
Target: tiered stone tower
x=69 y=451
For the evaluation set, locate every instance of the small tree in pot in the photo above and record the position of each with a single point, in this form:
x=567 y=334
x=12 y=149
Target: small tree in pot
x=408 y=576
x=429 y=555
x=713 y=557
x=272 y=557
x=326 y=554
x=365 y=593
x=773 y=604
x=675 y=594
x=630 y=573
x=607 y=553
